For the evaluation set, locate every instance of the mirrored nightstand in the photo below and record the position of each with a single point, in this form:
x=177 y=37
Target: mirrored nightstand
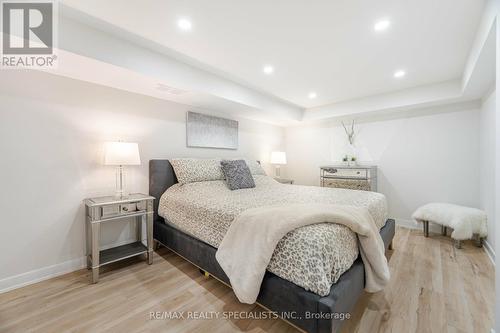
x=105 y=209
x=283 y=180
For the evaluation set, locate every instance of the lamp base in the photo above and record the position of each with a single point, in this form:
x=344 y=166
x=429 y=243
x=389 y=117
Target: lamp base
x=120 y=183
x=278 y=171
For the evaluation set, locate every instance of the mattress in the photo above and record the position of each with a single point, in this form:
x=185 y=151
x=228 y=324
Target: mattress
x=313 y=257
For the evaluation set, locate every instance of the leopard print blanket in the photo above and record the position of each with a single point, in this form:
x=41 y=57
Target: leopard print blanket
x=313 y=257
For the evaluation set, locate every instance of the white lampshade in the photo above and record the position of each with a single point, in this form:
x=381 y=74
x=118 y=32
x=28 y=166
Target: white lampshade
x=121 y=153
x=278 y=157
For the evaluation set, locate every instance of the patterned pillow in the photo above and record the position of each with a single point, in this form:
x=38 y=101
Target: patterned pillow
x=189 y=170
x=237 y=174
x=255 y=167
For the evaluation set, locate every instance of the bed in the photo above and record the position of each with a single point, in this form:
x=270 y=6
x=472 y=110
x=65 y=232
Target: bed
x=302 y=305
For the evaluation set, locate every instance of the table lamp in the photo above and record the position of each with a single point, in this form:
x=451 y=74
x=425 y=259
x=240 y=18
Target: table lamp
x=278 y=158
x=121 y=154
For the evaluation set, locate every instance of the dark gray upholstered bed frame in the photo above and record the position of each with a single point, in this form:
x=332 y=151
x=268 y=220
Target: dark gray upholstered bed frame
x=292 y=302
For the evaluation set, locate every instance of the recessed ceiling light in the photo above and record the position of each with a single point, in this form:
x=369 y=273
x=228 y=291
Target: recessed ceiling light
x=268 y=69
x=382 y=25
x=399 y=74
x=184 y=24
x=312 y=95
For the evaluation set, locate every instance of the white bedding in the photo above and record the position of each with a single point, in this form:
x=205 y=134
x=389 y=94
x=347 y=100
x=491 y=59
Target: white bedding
x=312 y=257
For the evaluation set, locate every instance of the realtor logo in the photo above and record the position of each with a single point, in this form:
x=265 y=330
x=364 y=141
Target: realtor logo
x=28 y=31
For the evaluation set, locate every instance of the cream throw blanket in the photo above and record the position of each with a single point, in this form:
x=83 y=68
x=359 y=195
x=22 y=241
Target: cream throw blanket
x=251 y=239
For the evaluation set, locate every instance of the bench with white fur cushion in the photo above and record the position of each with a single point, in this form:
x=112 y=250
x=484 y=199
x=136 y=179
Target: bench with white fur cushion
x=467 y=223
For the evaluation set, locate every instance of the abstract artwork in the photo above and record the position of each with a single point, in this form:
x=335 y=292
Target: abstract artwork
x=211 y=132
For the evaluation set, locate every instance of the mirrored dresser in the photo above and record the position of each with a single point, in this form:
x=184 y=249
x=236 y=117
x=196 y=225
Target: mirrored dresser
x=357 y=177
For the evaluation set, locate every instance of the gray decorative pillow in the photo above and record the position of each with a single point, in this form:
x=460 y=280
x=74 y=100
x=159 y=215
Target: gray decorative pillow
x=190 y=170
x=238 y=175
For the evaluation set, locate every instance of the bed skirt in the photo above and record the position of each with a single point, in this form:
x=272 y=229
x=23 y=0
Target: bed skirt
x=304 y=309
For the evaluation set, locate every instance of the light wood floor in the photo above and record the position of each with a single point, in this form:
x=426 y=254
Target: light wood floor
x=434 y=288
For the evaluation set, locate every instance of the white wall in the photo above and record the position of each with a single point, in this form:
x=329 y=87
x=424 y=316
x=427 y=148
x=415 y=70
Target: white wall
x=51 y=134
x=497 y=169
x=487 y=163
x=420 y=159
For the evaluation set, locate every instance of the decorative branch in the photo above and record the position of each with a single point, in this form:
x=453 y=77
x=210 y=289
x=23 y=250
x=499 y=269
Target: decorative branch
x=350 y=133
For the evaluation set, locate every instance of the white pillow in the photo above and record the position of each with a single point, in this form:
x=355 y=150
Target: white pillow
x=255 y=167
x=189 y=170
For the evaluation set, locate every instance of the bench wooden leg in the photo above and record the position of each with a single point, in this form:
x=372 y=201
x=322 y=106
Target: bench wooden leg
x=478 y=240
x=457 y=243
x=426 y=228
x=443 y=230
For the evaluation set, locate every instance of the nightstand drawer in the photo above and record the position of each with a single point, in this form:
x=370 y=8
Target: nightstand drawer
x=116 y=210
x=121 y=210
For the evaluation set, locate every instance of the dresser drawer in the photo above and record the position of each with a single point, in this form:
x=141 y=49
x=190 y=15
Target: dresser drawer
x=347 y=173
x=352 y=184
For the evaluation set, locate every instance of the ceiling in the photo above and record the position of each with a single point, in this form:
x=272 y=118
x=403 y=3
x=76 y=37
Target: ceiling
x=329 y=47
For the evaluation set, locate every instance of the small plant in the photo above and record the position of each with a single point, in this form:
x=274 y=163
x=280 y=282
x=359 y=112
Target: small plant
x=353 y=159
x=346 y=158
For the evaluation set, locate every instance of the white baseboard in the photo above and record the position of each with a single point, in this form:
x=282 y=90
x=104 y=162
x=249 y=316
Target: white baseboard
x=489 y=251
x=48 y=272
x=41 y=274
x=412 y=224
